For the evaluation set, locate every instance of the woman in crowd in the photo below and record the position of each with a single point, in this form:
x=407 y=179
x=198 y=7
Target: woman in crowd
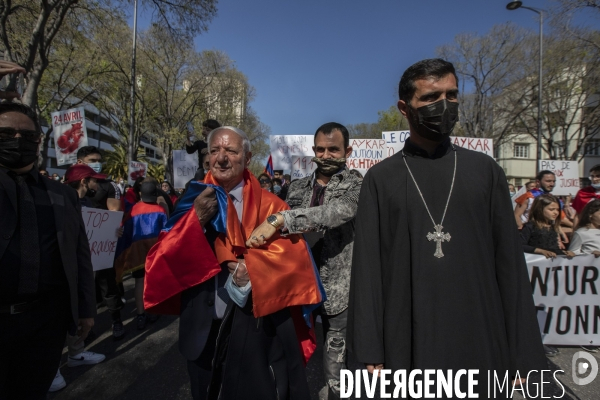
x=265 y=182
x=168 y=189
x=586 y=238
x=540 y=235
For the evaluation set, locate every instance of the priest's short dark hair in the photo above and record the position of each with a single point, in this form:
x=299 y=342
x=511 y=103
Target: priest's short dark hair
x=433 y=67
x=332 y=126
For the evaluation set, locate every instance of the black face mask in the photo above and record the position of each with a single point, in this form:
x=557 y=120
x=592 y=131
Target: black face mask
x=329 y=166
x=18 y=152
x=90 y=193
x=435 y=121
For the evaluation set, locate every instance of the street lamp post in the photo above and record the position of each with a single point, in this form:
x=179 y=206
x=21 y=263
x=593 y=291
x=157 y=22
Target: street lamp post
x=513 y=5
x=131 y=148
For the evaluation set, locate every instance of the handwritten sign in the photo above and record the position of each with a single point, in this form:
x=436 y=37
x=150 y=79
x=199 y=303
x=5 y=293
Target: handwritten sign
x=184 y=167
x=136 y=169
x=284 y=147
x=567 y=176
x=366 y=153
x=394 y=141
x=70 y=134
x=101 y=229
x=302 y=167
x=565 y=293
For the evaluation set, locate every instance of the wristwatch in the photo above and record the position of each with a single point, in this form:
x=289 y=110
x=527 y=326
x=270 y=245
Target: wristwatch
x=272 y=219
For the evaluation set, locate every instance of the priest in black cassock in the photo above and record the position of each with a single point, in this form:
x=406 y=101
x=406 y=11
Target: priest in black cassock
x=439 y=280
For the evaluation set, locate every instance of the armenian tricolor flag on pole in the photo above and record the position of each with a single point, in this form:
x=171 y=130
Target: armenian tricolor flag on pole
x=269 y=166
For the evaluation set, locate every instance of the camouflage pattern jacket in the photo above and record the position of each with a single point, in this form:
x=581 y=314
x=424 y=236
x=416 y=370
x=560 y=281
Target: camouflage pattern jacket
x=335 y=218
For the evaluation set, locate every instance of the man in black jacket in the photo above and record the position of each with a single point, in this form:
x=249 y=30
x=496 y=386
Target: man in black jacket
x=200 y=145
x=46 y=278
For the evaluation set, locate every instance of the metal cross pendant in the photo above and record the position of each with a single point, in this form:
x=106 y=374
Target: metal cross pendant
x=438 y=237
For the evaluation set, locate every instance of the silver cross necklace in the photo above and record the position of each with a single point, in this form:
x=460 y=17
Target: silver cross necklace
x=438 y=236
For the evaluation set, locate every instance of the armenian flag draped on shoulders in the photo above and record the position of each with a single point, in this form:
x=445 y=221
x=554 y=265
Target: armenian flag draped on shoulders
x=283 y=273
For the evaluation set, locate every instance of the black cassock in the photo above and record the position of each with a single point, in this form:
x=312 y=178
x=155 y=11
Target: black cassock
x=472 y=308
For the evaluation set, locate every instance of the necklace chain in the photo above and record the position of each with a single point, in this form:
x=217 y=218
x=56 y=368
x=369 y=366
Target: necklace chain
x=421 y=194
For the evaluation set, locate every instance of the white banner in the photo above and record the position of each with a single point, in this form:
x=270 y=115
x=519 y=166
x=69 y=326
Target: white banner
x=101 y=229
x=284 y=147
x=302 y=167
x=394 y=141
x=567 y=176
x=366 y=153
x=566 y=295
x=70 y=134
x=136 y=169
x=184 y=167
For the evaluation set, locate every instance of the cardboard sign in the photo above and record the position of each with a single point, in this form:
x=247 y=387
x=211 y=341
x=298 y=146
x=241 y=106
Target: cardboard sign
x=101 y=229
x=302 y=167
x=70 y=134
x=136 y=169
x=567 y=176
x=394 y=141
x=565 y=292
x=284 y=147
x=184 y=167
x=366 y=153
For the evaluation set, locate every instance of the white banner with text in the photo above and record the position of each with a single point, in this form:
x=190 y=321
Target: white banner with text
x=184 y=167
x=565 y=293
x=567 y=176
x=101 y=229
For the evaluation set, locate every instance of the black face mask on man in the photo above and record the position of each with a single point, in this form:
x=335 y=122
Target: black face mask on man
x=435 y=121
x=18 y=152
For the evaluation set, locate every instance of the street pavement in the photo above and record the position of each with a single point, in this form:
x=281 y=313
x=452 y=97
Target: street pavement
x=147 y=365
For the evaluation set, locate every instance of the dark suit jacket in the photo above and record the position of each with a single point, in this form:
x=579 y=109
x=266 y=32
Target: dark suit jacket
x=70 y=232
x=198 y=312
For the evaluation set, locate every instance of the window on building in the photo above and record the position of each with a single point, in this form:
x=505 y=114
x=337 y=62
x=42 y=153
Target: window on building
x=521 y=150
x=518 y=182
x=592 y=147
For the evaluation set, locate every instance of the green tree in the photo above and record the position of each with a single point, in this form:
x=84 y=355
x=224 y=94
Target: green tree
x=29 y=29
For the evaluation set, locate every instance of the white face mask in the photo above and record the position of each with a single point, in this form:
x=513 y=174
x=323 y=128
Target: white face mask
x=596 y=186
x=96 y=166
x=57 y=178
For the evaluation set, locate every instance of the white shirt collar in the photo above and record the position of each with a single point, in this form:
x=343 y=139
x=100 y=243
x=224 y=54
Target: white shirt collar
x=238 y=191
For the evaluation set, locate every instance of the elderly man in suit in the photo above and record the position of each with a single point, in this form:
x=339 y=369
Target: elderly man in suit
x=46 y=277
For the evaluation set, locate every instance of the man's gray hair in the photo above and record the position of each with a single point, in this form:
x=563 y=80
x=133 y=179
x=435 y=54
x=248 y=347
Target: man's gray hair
x=241 y=133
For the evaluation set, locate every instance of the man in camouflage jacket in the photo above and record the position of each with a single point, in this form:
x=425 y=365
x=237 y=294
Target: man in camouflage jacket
x=323 y=208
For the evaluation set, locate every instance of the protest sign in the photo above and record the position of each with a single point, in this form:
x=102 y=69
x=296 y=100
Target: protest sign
x=284 y=147
x=394 y=141
x=302 y=167
x=184 y=167
x=567 y=176
x=565 y=293
x=101 y=229
x=136 y=169
x=365 y=154
x=70 y=134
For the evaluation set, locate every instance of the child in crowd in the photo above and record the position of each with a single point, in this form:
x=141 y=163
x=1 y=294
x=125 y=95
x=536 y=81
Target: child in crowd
x=540 y=235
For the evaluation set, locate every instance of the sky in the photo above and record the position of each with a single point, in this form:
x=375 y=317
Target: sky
x=316 y=61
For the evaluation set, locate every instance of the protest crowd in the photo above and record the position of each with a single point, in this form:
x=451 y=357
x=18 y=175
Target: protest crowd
x=430 y=239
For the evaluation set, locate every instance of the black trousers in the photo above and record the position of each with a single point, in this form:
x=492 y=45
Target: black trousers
x=200 y=370
x=258 y=358
x=31 y=345
x=106 y=280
